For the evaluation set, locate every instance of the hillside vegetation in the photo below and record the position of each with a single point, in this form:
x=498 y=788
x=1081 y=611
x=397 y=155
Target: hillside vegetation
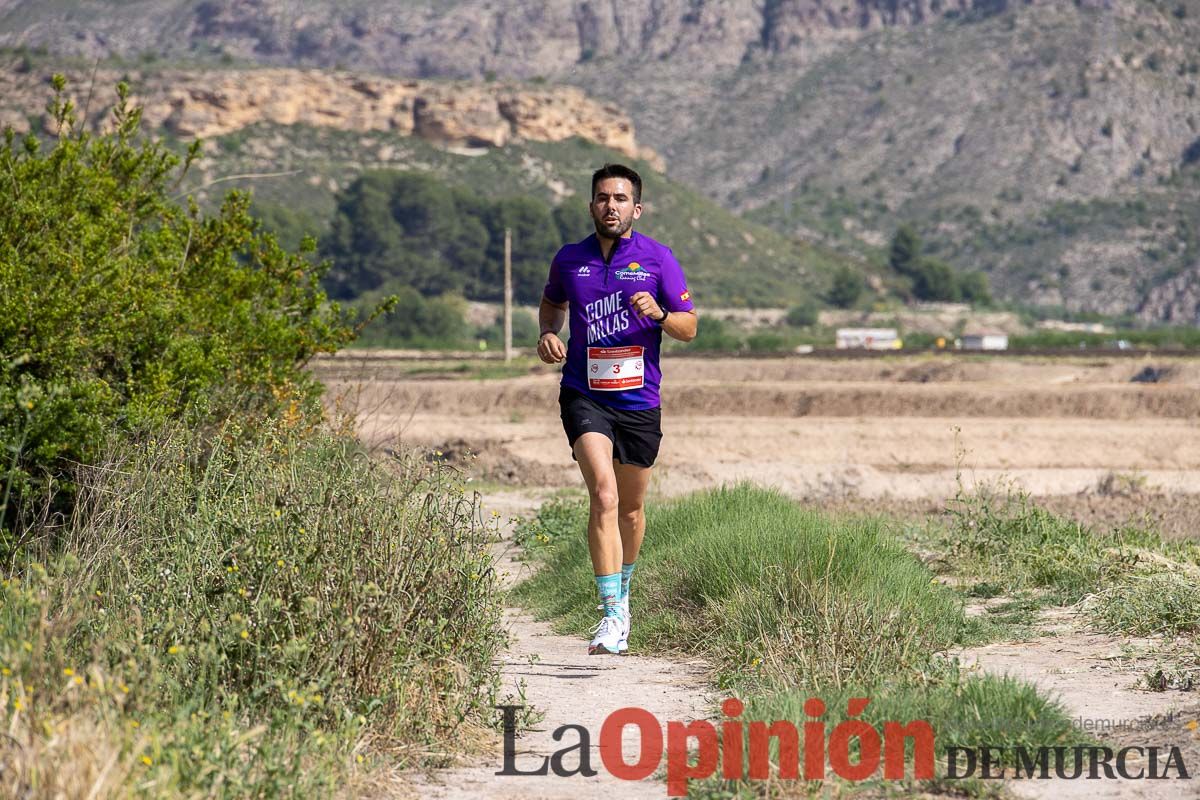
x=729 y=261
x=1051 y=145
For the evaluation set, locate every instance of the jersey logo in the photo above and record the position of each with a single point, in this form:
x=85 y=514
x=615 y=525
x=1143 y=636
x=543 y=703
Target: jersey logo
x=685 y=295
x=584 y=271
x=633 y=272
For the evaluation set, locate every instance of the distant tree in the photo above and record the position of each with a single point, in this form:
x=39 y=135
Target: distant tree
x=419 y=320
x=936 y=281
x=289 y=225
x=412 y=229
x=803 y=315
x=905 y=253
x=534 y=242
x=571 y=221
x=846 y=289
x=974 y=289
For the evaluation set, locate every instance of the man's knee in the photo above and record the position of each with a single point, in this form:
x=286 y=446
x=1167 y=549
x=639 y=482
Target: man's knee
x=629 y=515
x=604 y=498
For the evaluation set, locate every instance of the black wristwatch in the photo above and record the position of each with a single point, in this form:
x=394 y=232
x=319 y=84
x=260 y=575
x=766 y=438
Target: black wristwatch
x=663 y=318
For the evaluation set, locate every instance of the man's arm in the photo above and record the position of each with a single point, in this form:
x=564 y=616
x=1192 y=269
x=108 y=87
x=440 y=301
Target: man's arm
x=679 y=325
x=551 y=317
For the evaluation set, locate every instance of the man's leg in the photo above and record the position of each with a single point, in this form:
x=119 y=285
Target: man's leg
x=631 y=517
x=594 y=451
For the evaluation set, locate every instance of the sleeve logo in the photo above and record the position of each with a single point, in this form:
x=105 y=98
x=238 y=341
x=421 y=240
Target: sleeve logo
x=685 y=296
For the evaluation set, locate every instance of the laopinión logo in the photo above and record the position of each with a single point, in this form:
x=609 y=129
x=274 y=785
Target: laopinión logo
x=743 y=750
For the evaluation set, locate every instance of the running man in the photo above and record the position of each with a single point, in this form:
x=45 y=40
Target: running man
x=622 y=290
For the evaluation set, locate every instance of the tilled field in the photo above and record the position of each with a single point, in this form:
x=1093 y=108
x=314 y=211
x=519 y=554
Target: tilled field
x=1102 y=437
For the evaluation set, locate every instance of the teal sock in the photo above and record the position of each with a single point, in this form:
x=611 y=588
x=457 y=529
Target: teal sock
x=626 y=575
x=609 y=587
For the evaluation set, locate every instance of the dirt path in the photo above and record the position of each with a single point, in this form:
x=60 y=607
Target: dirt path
x=1091 y=675
x=567 y=686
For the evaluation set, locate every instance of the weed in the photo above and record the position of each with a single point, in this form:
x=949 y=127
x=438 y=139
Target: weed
x=235 y=616
x=1149 y=602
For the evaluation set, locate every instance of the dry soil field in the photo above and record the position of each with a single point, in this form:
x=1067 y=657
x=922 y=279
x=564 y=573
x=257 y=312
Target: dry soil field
x=896 y=431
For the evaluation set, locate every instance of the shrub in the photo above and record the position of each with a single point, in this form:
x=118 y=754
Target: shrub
x=846 y=289
x=803 y=315
x=524 y=330
x=935 y=280
x=239 y=616
x=714 y=334
x=122 y=308
x=417 y=321
x=974 y=288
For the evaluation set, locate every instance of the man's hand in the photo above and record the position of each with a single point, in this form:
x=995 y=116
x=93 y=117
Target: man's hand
x=551 y=348
x=645 y=306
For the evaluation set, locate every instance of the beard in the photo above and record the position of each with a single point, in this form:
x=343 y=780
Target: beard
x=609 y=231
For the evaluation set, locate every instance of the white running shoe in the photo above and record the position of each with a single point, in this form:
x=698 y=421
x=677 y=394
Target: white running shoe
x=623 y=642
x=608 y=636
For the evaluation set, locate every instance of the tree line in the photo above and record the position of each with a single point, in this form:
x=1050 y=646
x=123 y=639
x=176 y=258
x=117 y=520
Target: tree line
x=408 y=229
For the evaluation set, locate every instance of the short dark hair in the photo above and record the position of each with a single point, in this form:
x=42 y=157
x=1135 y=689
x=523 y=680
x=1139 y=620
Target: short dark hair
x=619 y=171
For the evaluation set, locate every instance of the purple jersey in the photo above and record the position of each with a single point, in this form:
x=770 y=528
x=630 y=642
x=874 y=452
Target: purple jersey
x=612 y=355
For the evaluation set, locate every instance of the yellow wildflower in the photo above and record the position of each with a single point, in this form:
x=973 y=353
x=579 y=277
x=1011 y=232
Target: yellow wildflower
x=245 y=634
x=147 y=760
x=68 y=671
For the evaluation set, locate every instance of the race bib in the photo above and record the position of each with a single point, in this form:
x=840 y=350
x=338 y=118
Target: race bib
x=614 y=369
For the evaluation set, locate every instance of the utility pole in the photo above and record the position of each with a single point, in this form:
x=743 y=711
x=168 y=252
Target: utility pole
x=508 y=350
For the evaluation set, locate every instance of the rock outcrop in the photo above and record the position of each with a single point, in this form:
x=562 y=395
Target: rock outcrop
x=1175 y=301
x=217 y=103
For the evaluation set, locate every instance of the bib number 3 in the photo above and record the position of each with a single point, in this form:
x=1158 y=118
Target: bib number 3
x=615 y=369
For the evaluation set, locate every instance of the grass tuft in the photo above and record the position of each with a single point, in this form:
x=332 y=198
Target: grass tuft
x=788 y=604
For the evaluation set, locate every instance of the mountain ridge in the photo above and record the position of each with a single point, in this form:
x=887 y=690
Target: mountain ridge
x=1020 y=138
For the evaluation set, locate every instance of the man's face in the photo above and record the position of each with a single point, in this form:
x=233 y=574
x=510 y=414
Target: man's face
x=613 y=209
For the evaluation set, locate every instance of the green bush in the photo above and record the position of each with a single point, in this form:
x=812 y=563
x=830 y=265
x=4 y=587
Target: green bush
x=247 y=616
x=975 y=289
x=803 y=315
x=416 y=321
x=766 y=342
x=935 y=280
x=714 y=334
x=524 y=333
x=846 y=289
x=121 y=308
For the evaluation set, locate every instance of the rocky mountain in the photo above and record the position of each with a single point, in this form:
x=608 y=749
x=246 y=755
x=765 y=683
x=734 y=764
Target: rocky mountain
x=1054 y=144
x=212 y=104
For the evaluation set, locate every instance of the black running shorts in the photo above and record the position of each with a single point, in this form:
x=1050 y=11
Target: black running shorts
x=635 y=434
